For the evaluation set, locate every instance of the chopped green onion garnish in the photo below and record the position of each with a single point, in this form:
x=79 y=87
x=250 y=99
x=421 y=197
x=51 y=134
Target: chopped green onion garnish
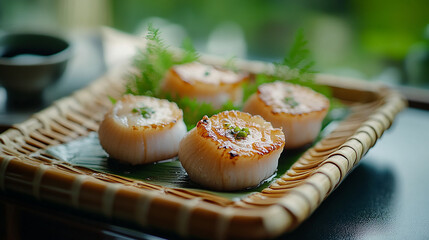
x=246 y=130
x=112 y=99
x=237 y=132
x=146 y=112
x=291 y=102
x=241 y=134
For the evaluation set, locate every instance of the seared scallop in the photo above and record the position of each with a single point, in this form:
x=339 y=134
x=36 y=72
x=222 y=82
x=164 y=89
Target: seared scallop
x=231 y=150
x=205 y=83
x=298 y=110
x=140 y=129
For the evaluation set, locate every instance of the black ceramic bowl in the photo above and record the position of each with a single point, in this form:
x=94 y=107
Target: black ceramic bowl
x=29 y=63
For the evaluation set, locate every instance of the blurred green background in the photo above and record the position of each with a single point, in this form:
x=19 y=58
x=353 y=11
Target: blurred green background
x=384 y=40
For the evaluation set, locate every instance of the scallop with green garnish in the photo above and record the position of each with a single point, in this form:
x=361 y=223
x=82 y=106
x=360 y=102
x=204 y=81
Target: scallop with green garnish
x=298 y=110
x=206 y=83
x=231 y=150
x=140 y=129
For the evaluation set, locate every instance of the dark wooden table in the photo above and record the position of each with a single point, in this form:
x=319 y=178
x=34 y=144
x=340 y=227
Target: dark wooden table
x=385 y=197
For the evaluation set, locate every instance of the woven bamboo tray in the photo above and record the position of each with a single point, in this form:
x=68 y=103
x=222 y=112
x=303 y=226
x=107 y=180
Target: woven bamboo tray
x=289 y=200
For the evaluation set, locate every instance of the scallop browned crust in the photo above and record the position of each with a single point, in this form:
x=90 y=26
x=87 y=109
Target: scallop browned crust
x=298 y=110
x=215 y=155
x=205 y=83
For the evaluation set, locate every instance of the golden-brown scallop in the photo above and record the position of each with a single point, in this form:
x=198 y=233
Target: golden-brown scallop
x=298 y=110
x=140 y=129
x=205 y=83
x=231 y=150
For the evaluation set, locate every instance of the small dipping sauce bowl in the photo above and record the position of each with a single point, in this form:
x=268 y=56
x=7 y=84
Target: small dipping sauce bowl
x=30 y=62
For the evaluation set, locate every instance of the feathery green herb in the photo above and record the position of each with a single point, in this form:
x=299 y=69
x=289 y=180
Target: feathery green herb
x=153 y=63
x=299 y=56
x=231 y=65
x=296 y=67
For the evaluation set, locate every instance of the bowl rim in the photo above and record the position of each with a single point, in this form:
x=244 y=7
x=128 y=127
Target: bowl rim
x=61 y=56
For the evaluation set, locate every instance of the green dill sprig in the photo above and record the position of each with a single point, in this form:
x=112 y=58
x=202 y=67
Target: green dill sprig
x=297 y=67
x=190 y=54
x=231 y=65
x=299 y=56
x=300 y=62
x=153 y=63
